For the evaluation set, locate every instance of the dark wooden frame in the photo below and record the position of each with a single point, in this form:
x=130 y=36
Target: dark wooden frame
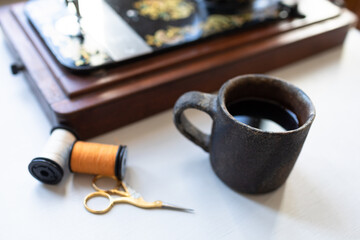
x=107 y=99
x=354 y=5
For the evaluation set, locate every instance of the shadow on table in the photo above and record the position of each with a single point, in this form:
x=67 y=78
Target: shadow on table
x=60 y=188
x=302 y=201
x=271 y=200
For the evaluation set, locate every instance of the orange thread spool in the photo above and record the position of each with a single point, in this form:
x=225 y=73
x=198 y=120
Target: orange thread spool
x=96 y=158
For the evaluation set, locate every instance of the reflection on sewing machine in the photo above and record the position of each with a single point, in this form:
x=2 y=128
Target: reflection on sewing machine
x=103 y=32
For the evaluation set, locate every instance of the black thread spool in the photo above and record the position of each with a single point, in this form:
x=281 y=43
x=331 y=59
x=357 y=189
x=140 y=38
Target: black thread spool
x=49 y=166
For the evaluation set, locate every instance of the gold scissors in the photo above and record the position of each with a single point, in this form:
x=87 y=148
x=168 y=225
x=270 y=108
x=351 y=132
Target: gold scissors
x=127 y=195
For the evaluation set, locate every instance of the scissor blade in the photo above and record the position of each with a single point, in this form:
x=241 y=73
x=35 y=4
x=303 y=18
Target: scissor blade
x=177 y=208
x=134 y=194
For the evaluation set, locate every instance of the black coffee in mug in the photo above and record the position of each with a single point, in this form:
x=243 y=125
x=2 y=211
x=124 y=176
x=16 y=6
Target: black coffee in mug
x=263 y=114
x=260 y=124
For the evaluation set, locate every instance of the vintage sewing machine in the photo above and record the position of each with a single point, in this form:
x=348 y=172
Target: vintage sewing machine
x=108 y=32
x=96 y=65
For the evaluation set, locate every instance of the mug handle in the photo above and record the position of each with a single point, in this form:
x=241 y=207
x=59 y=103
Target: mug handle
x=197 y=100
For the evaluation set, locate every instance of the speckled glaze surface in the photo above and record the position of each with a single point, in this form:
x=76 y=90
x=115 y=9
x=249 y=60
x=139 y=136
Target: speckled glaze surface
x=248 y=159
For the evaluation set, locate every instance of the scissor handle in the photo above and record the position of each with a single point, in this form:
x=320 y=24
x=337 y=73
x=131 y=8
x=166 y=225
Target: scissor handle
x=114 y=190
x=97 y=177
x=98 y=194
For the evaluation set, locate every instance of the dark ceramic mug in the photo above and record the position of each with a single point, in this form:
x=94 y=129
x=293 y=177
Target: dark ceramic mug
x=246 y=158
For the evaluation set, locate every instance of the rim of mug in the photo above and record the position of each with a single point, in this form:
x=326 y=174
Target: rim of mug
x=231 y=81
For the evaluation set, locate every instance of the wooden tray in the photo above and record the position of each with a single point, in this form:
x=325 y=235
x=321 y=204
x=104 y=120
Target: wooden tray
x=107 y=99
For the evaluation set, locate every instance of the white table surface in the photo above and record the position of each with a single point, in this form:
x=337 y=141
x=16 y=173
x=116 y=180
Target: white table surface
x=320 y=200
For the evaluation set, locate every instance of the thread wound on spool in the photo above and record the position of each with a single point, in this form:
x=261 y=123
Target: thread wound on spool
x=96 y=158
x=49 y=166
